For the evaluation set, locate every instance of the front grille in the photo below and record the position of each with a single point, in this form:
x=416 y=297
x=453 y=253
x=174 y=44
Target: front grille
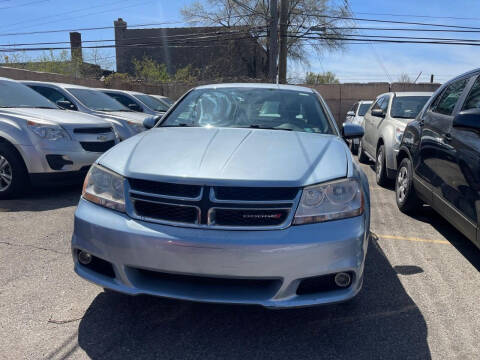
x=94 y=130
x=97 y=146
x=168 y=189
x=255 y=193
x=210 y=206
x=166 y=212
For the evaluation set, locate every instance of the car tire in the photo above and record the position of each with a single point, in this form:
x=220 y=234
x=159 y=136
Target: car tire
x=407 y=199
x=361 y=155
x=13 y=174
x=380 y=167
x=353 y=147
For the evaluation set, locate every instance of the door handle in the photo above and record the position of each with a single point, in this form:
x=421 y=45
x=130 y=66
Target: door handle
x=447 y=137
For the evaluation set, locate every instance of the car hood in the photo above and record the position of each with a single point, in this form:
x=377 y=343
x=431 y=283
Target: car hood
x=220 y=156
x=125 y=115
x=65 y=118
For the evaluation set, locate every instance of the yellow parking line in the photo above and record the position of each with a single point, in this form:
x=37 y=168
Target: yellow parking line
x=413 y=239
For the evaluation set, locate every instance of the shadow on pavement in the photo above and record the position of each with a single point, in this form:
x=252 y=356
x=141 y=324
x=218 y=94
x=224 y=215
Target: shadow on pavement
x=43 y=199
x=381 y=323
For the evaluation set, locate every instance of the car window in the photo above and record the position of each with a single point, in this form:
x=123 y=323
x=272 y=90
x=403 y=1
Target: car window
x=14 y=94
x=151 y=102
x=407 y=107
x=473 y=98
x=51 y=94
x=363 y=109
x=125 y=100
x=244 y=107
x=384 y=103
x=378 y=103
x=446 y=102
x=97 y=100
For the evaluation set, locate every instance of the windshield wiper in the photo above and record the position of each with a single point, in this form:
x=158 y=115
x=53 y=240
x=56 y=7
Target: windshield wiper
x=179 y=125
x=255 y=126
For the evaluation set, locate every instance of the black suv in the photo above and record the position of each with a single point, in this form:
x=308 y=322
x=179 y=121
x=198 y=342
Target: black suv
x=439 y=156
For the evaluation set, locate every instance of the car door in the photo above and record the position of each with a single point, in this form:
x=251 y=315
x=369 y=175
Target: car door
x=437 y=165
x=466 y=178
x=350 y=118
x=372 y=123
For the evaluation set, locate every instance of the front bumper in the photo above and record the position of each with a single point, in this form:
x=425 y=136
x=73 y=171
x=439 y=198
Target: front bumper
x=283 y=256
x=36 y=161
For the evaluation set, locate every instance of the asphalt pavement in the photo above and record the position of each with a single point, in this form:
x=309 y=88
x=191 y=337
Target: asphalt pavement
x=421 y=299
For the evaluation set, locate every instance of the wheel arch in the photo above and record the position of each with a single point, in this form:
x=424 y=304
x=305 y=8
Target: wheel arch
x=6 y=142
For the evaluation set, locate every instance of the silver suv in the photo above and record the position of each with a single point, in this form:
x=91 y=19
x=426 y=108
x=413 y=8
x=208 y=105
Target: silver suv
x=83 y=99
x=384 y=124
x=41 y=143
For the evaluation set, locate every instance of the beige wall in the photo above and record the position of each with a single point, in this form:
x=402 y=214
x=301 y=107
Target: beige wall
x=339 y=97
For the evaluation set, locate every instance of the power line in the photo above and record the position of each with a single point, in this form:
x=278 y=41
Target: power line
x=22 y=5
x=420 y=16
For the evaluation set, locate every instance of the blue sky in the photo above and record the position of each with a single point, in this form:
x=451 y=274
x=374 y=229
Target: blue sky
x=355 y=63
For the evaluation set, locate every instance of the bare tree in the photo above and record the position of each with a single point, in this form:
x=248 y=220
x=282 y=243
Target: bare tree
x=254 y=15
x=405 y=79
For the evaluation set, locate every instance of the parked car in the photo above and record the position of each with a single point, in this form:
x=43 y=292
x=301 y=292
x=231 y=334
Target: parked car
x=355 y=116
x=439 y=156
x=41 y=143
x=166 y=100
x=243 y=193
x=90 y=101
x=137 y=101
x=384 y=123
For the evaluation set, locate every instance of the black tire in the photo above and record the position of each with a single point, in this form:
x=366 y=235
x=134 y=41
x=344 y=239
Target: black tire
x=407 y=199
x=361 y=155
x=380 y=167
x=13 y=173
x=353 y=147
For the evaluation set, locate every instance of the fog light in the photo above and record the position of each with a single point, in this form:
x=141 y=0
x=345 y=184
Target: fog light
x=84 y=257
x=343 y=279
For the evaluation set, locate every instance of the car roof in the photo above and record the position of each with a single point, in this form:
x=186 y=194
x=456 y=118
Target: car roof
x=412 y=93
x=120 y=91
x=257 y=86
x=365 y=101
x=62 y=85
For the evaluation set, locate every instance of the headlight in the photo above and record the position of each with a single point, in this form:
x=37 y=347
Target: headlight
x=335 y=200
x=105 y=188
x=398 y=135
x=48 y=131
x=136 y=127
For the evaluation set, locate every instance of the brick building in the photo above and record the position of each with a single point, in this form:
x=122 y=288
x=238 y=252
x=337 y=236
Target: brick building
x=214 y=52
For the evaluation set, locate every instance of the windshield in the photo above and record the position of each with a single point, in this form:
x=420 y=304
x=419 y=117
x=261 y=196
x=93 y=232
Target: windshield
x=13 y=94
x=363 y=109
x=96 y=100
x=251 y=107
x=407 y=107
x=151 y=102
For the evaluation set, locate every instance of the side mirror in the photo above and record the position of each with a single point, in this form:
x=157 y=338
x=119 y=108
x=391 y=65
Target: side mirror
x=151 y=121
x=378 y=113
x=65 y=104
x=352 y=131
x=135 y=107
x=350 y=113
x=469 y=119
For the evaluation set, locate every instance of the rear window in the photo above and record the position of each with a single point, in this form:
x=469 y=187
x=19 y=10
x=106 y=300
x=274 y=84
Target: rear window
x=407 y=107
x=363 y=109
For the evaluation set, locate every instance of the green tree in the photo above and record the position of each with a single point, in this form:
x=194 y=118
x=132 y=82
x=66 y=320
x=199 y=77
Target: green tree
x=321 y=78
x=149 y=70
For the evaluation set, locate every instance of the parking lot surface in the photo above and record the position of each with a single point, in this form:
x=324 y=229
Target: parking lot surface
x=420 y=299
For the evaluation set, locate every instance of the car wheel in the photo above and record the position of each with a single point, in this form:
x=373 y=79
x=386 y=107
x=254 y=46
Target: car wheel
x=407 y=200
x=13 y=175
x=361 y=155
x=380 y=167
x=353 y=147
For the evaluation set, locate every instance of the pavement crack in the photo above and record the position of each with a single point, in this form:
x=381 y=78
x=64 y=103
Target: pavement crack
x=33 y=247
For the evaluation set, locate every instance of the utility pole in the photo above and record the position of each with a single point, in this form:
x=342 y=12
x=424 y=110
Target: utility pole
x=282 y=60
x=273 y=42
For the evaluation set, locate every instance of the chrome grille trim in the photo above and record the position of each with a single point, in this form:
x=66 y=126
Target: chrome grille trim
x=214 y=199
x=169 y=197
